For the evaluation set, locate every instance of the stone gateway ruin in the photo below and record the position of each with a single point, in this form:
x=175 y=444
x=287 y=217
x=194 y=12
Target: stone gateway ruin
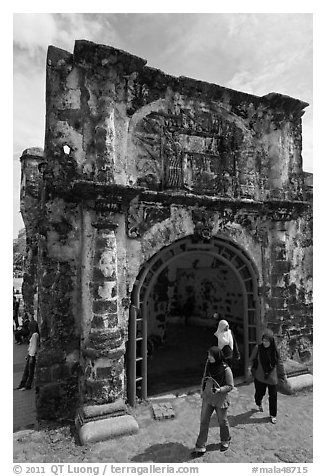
x=158 y=202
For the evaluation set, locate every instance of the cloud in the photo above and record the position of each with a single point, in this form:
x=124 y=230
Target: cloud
x=225 y=48
x=92 y=27
x=29 y=111
x=36 y=31
x=33 y=31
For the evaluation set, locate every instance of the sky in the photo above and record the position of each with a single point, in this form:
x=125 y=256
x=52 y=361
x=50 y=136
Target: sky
x=256 y=53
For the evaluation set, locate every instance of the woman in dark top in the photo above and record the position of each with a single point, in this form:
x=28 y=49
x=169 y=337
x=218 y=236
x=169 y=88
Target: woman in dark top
x=16 y=312
x=267 y=368
x=217 y=383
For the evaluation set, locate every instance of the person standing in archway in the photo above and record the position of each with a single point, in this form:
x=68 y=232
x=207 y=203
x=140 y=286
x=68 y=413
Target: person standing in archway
x=188 y=309
x=267 y=368
x=226 y=342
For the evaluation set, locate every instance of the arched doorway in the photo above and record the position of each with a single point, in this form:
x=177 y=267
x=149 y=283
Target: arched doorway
x=223 y=280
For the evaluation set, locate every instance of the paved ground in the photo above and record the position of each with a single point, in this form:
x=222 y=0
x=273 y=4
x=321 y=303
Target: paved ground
x=254 y=438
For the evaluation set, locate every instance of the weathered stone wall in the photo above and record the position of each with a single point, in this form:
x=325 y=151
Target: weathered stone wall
x=128 y=124
x=59 y=310
x=290 y=295
x=135 y=160
x=30 y=198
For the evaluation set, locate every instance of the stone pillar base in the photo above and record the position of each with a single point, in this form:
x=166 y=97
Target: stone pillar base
x=298 y=378
x=103 y=422
x=296 y=383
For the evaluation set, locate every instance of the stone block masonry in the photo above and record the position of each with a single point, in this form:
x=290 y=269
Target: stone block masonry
x=163 y=411
x=104 y=350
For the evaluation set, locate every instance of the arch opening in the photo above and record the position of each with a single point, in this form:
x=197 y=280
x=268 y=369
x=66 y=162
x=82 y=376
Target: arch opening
x=171 y=322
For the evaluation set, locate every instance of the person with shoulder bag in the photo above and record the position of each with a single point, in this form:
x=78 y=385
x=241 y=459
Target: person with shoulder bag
x=216 y=384
x=267 y=370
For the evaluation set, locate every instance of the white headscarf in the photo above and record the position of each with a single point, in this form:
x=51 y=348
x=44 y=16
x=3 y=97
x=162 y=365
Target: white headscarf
x=224 y=337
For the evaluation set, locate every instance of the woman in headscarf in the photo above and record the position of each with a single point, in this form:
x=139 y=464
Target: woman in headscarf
x=226 y=342
x=217 y=383
x=266 y=368
x=28 y=375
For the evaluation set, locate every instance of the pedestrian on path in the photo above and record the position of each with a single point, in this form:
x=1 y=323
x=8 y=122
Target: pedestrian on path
x=16 y=303
x=267 y=369
x=227 y=343
x=28 y=375
x=23 y=331
x=216 y=384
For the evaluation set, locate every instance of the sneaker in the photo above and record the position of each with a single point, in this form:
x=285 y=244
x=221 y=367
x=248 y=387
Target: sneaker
x=260 y=408
x=199 y=451
x=22 y=389
x=273 y=419
x=225 y=445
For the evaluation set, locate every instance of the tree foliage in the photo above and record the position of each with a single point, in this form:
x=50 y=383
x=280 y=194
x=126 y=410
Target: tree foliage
x=19 y=250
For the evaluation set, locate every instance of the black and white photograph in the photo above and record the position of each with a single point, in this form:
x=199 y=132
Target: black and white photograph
x=162 y=241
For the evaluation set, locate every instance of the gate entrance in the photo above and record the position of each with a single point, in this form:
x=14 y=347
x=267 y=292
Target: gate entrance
x=171 y=323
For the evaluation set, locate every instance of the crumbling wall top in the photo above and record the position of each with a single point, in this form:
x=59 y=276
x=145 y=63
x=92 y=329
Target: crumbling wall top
x=32 y=152
x=90 y=55
x=113 y=120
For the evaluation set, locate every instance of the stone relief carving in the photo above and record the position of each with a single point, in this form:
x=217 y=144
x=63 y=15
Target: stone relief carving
x=137 y=93
x=283 y=214
x=105 y=218
x=225 y=218
x=187 y=150
x=142 y=216
x=204 y=223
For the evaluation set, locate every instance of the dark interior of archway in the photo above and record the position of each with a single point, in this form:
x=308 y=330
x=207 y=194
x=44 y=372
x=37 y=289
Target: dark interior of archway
x=180 y=362
x=181 y=304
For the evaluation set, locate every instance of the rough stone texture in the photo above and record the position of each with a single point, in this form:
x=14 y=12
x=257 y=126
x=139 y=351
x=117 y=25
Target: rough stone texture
x=102 y=422
x=140 y=167
x=95 y=431
x=59 y=367
x=162 y=411
x=30 y=196
x=300 y=382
